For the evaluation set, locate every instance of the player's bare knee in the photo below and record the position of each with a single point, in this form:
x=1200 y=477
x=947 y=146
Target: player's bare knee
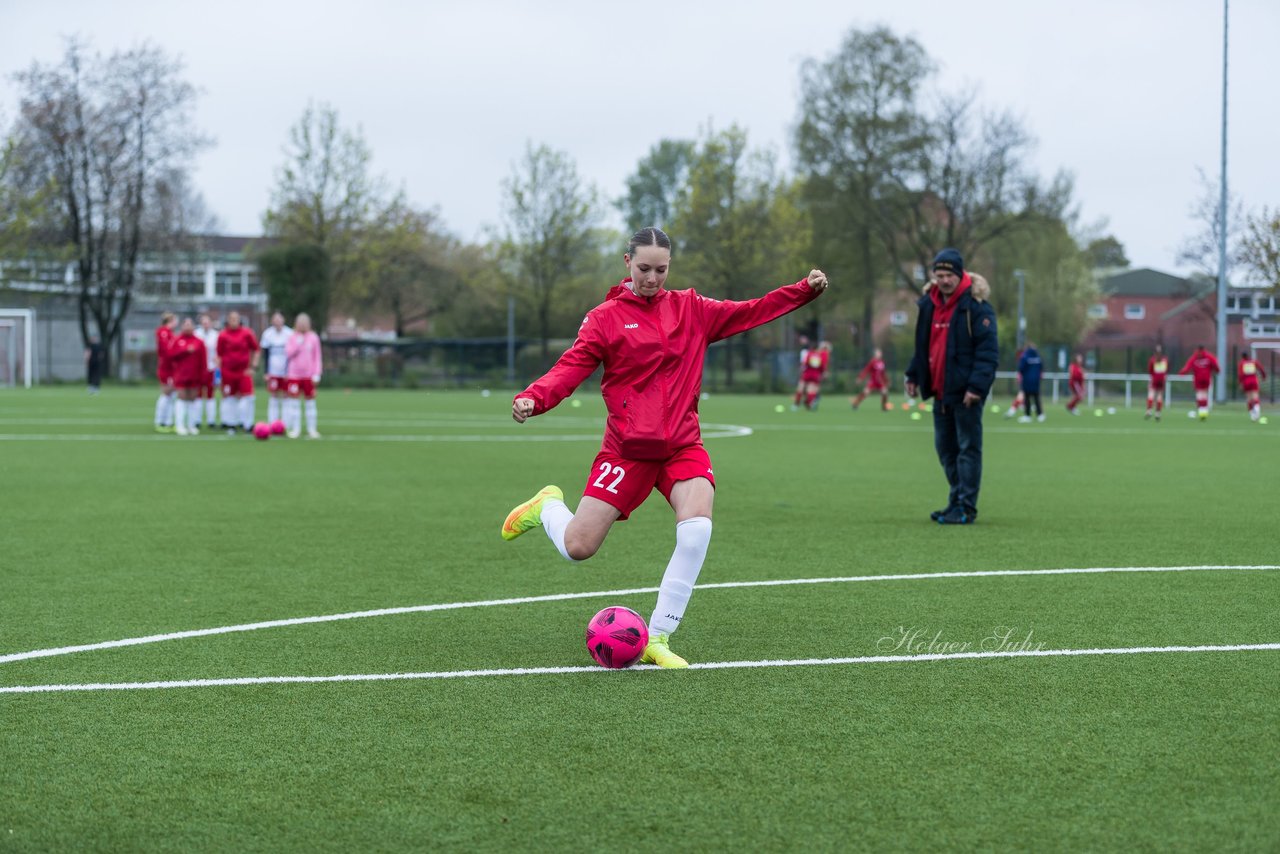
x=580 y=548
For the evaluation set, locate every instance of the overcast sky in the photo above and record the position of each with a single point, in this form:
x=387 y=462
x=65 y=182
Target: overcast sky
x=1124 y=94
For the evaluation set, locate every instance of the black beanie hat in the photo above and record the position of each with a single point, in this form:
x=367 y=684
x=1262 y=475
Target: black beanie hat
x=949 y=261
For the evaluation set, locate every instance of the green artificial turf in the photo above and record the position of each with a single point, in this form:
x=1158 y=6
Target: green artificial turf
x=113 y=532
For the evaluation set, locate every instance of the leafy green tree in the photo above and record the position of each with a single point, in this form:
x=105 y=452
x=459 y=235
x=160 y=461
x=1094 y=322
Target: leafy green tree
x=411 y=265
x=549 y=226
x=860 y=134
x=726 y=225
x=653 y=192
x=1106 y=253
x=327 y=196
x=298 y=277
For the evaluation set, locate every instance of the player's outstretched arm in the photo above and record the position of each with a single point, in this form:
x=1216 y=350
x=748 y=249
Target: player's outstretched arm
x=522 y=409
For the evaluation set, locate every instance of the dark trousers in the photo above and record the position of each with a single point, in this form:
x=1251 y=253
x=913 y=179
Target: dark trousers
x=1026 y=401
x=957 y=436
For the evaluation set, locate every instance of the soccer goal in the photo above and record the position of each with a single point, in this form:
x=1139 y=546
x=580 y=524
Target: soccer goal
x=17 y=346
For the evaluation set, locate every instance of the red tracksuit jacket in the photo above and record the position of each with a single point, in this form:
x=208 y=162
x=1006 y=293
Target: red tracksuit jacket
x=652 y=350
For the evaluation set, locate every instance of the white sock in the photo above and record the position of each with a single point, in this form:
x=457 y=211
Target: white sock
x=556 y=517
x=211 y=412
x=167 y=413
x=231 y=411
x=310 y=407
x=273 y=409
x=292 y=415
x=180 y=414
x=246 y=411
x=160 y=411
x=692 y=538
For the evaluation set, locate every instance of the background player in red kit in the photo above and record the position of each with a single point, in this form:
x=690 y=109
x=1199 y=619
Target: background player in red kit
x=1157 y=370
x=164 y=372
x=816 y=365
x=1202 y=366
x=803 y=341
x=652 y=343
x=190 y=363
x=237 y=356
x=1075 y=381
x=874 y=374
x=1249 y=371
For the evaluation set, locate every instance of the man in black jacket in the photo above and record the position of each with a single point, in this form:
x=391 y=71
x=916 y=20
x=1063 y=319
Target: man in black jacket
x=955 y=361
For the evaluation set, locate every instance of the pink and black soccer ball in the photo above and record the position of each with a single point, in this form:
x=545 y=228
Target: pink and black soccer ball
x=261 y=431
x=616 y=637
x=277 y=427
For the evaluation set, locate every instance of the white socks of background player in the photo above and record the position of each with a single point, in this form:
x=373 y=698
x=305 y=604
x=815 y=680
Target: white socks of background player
x=211 y=413
x=230 y=411
x=556 y=517
x=693 y=536
x=292 y=414
x=164 y=409
x=273 y=409
x=246 y=411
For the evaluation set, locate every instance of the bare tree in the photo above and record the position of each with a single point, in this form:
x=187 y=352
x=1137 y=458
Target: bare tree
x=1201 y=249
x=1259 y=251
x=106 y=132
x=549 y=219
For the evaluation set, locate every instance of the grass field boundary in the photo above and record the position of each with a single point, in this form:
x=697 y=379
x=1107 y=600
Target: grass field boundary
x=598 y=594
x=549 y=671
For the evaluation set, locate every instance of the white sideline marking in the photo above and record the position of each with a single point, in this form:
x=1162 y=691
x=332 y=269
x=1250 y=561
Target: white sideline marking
x=546 y=671
x=562 y=597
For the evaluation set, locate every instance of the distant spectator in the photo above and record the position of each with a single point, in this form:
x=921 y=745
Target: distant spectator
x=1030 y=369
x=95 y=360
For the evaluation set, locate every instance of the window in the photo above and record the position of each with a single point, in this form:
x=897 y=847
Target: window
x=897 y=318
x=1098 y=311
x=1135 y=311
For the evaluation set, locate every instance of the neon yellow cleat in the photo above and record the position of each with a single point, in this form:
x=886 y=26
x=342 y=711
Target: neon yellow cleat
x=528 y=515
x=659 y=653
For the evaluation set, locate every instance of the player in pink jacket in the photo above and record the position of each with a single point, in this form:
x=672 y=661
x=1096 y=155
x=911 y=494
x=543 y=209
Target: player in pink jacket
x=652 y=343
x=301 y=378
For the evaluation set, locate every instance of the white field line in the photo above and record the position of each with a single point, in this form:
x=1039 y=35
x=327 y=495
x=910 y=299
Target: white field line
x=546 y=671
x=709 y=431
x=599 y=594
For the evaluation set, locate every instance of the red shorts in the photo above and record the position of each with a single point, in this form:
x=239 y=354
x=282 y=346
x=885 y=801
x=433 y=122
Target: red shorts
x=236 y=385
x=206 y=390
x=1156 y=384
x=275 y=385
x=1250 y=384
x=625 y=484
x=877 y=387
x=165 y=377
x=186 y=382
x=811 y=376
x=300 y=388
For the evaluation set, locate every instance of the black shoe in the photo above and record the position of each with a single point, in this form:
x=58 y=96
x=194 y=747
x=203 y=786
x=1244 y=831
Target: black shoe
x=937 y=515
x=958 y=516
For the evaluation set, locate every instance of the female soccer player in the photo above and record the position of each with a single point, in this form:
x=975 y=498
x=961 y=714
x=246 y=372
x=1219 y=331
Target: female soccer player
x=652 y=342
x=301 y=377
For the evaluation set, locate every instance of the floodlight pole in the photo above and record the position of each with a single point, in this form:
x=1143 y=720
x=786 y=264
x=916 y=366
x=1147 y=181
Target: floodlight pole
x=1021 y=337
x=1222 y=223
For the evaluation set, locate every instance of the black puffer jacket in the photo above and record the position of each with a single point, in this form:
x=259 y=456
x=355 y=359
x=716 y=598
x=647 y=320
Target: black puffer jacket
x=972 y=348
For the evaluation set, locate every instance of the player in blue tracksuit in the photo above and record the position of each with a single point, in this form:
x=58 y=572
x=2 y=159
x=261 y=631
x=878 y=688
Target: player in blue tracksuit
x=1030 y=367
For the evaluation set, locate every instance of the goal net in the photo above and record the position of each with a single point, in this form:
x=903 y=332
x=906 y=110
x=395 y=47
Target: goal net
x=17 y=345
